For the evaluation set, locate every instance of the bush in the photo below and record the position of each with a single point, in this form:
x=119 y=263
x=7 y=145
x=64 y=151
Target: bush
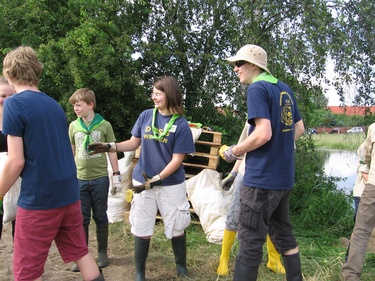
x=316 y=204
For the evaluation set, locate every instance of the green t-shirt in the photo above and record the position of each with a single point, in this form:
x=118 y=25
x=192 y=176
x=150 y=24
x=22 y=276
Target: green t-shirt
x=91 y=166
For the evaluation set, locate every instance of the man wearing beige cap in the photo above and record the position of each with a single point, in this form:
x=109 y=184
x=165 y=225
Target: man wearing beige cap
x=275 y=123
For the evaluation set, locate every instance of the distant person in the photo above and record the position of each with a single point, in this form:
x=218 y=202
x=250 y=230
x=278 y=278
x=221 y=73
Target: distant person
x=92 y=170
x=39 y=150
x=359 y=186
x=365 y=217
x=235 y=180
x=5 y=91
x=159 y=177
x=361 y=179
x=275 y=123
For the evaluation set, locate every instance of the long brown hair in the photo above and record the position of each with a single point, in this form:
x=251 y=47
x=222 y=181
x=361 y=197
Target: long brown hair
x=170 y=87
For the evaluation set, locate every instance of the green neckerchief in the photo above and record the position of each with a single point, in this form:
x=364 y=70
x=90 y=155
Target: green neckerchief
x=81 y=126
x=265 y=76
x=156 y=135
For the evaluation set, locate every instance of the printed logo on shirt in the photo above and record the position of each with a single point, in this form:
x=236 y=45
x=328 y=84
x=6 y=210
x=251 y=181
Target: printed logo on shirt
x=286 y=113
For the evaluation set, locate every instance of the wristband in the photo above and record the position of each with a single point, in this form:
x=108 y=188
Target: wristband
x=233 y=173
x=116 y=173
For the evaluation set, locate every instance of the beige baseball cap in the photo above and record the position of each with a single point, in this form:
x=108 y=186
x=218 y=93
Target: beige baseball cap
x=253 y=54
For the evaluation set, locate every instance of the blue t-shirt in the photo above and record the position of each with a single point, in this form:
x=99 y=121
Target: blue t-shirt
x=49 y=177
x=271 y=166
x=156 y=155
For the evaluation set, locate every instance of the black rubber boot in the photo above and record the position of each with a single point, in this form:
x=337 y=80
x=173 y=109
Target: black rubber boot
x=141 y=247
x=292 y=264
x=244 y=273
x=179 y=250
x=102 y=240
x=86 y=230
x=100 y=277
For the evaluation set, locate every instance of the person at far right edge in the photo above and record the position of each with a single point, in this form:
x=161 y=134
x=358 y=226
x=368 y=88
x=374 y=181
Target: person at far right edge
x=275 y=124
x=365 y=217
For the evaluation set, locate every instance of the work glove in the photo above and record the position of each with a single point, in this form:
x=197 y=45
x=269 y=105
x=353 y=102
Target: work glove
x=148 y=184
x=101 y=147
x=228 y=181
x=227 y=154
x=1 y=204
x=116 y=184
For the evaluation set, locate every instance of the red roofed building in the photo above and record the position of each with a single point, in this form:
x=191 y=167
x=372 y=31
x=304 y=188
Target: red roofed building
x=350 y=110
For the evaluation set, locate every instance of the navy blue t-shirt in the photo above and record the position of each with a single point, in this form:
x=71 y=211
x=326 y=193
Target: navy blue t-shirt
x=271 y=166
x=156 y=155
x=49 y=177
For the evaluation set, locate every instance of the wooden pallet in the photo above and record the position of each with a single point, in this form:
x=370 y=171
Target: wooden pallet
x=206 y=155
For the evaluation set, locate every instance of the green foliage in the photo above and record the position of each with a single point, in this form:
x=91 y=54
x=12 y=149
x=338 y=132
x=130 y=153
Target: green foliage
x=316 y=203
x=117 y=48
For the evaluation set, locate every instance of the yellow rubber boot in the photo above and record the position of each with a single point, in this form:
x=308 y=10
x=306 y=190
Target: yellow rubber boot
x=226 y=246
x=274 y=258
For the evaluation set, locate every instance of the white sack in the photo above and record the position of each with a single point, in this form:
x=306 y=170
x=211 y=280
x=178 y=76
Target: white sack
x=210 y=202
x=196 y=132
x=116 y=203
x=11 y=197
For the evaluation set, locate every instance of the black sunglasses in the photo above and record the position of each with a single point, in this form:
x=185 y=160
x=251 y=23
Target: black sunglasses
x=240 y=63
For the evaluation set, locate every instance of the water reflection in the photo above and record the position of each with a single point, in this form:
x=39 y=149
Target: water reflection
x=341 y=163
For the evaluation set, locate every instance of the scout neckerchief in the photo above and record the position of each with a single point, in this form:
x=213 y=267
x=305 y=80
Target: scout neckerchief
x=156 y=135
x=81 y=126
x=264 y=76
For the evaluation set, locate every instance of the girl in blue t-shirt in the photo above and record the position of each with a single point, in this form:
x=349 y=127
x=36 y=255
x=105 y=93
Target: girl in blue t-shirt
x=159 y=177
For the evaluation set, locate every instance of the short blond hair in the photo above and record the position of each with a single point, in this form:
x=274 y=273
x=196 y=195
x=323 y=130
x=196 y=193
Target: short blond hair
x=23 y=66
x=83 y=94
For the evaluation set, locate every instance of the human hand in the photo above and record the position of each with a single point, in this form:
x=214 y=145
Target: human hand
x=227 y=154
x=228 y=181
x=148 y=184
x=101 y=147
x=116 y=184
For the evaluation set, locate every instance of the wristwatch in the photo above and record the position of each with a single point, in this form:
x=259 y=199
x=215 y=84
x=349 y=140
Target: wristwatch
x=116 y=173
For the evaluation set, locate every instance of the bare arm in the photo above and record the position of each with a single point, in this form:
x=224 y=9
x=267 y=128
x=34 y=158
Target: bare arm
x=13 y=165
x=299 y=129
x=129 y=145
x=365 y=176
x=113 y=161
x=261 y=134
x=172 y=166
x=74 y=149
x=236 y=166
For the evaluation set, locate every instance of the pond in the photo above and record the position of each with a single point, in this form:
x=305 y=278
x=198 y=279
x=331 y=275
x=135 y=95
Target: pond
x=341 y=163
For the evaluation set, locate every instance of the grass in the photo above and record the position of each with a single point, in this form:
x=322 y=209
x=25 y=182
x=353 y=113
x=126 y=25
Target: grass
x=321 y=257
x=338 y=141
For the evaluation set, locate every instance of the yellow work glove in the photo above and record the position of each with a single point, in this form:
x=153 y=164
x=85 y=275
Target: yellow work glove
x=227 y=154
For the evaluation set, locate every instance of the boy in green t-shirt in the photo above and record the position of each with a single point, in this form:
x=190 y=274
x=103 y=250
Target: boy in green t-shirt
x=92 y=172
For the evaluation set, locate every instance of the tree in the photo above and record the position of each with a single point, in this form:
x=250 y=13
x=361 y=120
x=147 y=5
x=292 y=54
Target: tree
x=354 y=51
x=118 y=48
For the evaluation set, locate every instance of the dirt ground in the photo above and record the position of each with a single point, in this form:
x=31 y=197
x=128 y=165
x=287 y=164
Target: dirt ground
x=120 y=268
x=160 y=262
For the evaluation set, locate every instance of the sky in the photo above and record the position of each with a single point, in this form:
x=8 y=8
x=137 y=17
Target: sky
x=333 y=97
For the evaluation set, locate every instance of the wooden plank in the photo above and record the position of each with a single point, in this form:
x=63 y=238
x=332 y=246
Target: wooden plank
x=208 y=143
